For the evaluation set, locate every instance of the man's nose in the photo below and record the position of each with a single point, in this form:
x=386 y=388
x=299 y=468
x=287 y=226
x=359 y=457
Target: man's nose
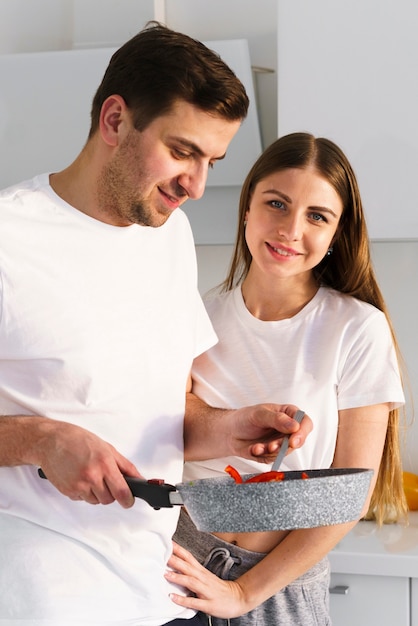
x=194 y=180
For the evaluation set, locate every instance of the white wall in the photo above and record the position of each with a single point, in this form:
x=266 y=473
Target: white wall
x=35 y=25
x=102 y=23
x=347 y=70
x=41 y=25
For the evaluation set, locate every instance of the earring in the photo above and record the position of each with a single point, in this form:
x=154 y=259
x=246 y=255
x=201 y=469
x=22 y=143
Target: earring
x=330 y=251
x=245 y=223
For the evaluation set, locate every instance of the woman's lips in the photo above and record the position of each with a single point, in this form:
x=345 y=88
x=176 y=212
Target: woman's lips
x=282 y=250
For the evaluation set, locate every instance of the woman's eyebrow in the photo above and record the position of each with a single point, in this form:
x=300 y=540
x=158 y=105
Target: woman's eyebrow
x=324 y=209
x=278 y=193
x=289 y=201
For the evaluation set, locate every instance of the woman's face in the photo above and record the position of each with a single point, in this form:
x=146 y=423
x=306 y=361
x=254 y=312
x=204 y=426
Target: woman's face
x=292 y=219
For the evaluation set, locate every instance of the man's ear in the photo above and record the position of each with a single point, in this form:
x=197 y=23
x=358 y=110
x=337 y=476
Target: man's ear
x=112 y=114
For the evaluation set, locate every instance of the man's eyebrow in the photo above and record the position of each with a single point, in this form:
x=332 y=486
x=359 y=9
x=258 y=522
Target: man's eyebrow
x=193 y=147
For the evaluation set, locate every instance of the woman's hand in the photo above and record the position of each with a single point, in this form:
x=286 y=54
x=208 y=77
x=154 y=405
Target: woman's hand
x=214 y=596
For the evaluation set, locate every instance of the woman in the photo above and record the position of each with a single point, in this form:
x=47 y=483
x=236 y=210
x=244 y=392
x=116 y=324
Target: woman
x=300 y=319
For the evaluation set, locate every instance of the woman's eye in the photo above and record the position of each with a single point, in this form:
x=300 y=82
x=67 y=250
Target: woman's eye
x=317 y=217
x=278 y=204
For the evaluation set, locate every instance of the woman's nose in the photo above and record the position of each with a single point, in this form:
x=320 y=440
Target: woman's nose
x=290 y=226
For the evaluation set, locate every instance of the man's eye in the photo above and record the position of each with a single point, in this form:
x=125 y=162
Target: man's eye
x=180 y=154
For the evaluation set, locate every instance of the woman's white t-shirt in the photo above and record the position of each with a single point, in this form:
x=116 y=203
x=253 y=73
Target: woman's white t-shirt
x=336 y=353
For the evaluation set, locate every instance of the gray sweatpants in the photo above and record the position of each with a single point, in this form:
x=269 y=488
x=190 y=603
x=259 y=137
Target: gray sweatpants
x=305 y=602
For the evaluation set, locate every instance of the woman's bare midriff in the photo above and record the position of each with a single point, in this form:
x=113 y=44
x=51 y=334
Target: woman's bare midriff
x=256 y=542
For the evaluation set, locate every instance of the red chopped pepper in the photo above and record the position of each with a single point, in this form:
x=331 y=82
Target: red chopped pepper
x=233 y=473
x=265 y=477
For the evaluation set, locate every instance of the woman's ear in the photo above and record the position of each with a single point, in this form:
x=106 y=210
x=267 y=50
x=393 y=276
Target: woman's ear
x=336 y=234
x=112 y=114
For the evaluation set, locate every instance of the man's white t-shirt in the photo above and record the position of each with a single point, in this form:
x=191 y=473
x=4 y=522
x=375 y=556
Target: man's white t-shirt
x=99 y=326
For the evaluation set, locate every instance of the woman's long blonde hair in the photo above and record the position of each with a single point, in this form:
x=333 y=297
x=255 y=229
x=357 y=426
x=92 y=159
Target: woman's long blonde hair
x=349 y=270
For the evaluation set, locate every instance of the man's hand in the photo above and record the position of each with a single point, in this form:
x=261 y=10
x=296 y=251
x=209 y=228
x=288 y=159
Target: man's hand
x=82 y=466
x=254 y=432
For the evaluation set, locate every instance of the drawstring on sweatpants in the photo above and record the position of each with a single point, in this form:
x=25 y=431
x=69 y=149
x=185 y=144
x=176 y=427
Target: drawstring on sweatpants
x=210 y=621
x=220 y=562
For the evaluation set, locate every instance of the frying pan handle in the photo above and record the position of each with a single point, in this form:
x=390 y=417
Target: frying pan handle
x=155 y=491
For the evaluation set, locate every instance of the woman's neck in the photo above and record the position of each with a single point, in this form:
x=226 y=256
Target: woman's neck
x=271 y=300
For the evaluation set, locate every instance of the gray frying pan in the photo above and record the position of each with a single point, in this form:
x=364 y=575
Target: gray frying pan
x=325 y=497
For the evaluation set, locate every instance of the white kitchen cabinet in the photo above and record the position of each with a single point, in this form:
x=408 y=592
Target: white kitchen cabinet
x=370 y=600
x=378 y=570
x=343 y=95
x=414 y=601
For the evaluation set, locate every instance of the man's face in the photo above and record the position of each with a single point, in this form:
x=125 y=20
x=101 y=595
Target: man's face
x=155 y=171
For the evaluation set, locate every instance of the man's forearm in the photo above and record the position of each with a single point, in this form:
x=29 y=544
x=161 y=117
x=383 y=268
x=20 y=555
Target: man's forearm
x=19 y=437
x=253 y=432
x=203 y=430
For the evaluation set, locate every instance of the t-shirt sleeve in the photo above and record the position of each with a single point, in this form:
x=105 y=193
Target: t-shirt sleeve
x=205 y=334
x=370 y=372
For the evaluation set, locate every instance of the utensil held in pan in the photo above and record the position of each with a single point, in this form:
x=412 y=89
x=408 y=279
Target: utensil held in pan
x=283 y=449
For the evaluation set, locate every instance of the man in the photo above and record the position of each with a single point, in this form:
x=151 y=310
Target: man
x=100 y=322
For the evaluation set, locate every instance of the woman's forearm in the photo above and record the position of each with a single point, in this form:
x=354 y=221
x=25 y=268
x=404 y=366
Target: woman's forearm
x=299 y=551
x=295 y=555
